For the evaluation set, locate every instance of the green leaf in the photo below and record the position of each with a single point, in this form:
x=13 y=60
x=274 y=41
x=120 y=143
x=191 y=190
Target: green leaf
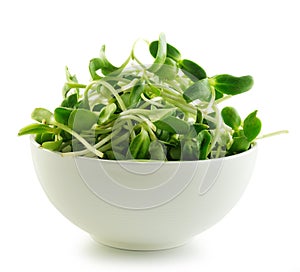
x=36 y=129
x=199 y=118
x=199 y=127
x=95 y=65
x=125 y=98
x=172 y=52
x=162 y=135
x=252 y=126
x=239 y=144
x=107 y=68
x=192 y=70
x=42 y=115
x=232 y=85
x=102 y=64
x=218 y=95
x=106 y=113
x=190 y=150
x=82 y=119
x=71 y=83
x=155 y=115
x=38 y=138
x=44 y=137
x=199 y=90
x=168 y=71
x=135 y=94
x=52 y=145
x=161 y=54
x=69 y=77
x=72 y=100
x=98 y=107
x=204 y=139
x=152 y=91
x=62 y=115
x=175 y=153
x=84 y=103
x=173 y=125
x=231 y=117
x=139 y=146
x=157 y=151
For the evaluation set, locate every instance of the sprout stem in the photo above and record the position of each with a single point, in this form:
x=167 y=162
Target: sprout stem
x=272 y=134
x=80 y=138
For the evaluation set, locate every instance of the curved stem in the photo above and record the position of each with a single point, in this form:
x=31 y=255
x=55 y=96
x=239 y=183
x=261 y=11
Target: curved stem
x=79 y=138
x=133 y=55
x=152 y=101
x=115 y=94
x=272 y=134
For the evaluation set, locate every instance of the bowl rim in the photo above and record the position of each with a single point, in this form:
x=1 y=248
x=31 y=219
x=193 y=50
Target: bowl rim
x=252 y=149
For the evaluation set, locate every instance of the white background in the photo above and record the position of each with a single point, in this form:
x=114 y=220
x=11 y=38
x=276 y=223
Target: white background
x=260 y=38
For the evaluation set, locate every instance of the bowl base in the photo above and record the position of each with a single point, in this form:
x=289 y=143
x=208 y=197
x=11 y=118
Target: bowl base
x=137 y=246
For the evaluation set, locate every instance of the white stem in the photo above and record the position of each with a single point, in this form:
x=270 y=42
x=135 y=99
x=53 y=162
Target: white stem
x=115 y=94
x=81 y=139
x=272 y=134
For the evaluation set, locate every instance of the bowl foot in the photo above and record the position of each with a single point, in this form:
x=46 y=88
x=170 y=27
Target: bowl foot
x=137 y=246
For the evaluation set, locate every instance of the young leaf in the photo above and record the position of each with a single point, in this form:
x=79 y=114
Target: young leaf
x=66 y=136
x=175 y=153
x=72 y=100
x=199 y=90
x=240 y=144
x=159 y=114
x=172 y=52
x=153 y=115
x=161 y=54
x=126 y=99
x=82 y=119
x=102 y=64
x=98 y=107
x=95 y=65
x=62 y=115
x=157 y=151
x=107 y=68
x=218 y=94
x=135 y=94
x=168 y=71
x=204 y=140
x=173 y=125
x=52 y=145
x=231 y=117
x=36 y=129
x=190 y=150
x=42 y=115
x=199 y=118
x=252 y=126
x=231 y=85
x=139 y=146
x=198 y=128
x=83 y=103
x=152 y=91
x=192 y=70
x=106 y=113
x=72 y=83
x=45 y=137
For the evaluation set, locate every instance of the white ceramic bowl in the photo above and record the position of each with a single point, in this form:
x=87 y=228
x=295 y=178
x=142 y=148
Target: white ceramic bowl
x=142 y=205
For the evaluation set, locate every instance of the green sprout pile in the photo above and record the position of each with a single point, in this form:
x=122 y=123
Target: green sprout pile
x=164 y=111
